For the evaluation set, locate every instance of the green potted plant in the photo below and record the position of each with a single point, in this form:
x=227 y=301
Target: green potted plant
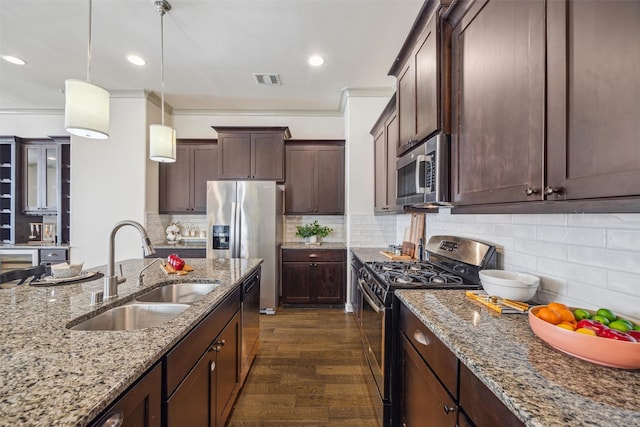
x=314 y=232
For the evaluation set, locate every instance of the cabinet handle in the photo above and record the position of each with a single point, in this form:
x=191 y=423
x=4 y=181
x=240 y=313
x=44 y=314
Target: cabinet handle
x=419 y=336
x=113 y=420
x=448 y=409
x=221 y=343
x=529 y=191
x=548 y=190
x=313 y=255
x=213 y=366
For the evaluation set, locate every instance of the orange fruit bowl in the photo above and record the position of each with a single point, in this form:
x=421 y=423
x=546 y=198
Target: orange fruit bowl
x=603 y=351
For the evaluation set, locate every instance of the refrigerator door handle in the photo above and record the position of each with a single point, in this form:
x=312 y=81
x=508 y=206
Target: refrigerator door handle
x=233 y=230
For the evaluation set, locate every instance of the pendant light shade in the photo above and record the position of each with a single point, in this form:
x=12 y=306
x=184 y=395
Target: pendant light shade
x=162 y=139
x=163 y=144
x=86 y=110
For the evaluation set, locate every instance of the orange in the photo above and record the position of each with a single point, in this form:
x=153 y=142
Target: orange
x=566 y=326
x=548 y=315
x=557 y=306
x=565 y=314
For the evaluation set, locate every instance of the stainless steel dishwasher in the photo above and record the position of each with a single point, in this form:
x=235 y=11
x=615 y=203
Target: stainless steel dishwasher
x=250 y=322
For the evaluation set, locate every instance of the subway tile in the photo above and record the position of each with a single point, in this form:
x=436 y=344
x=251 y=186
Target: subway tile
x=544 y=249
x=584 y=273
x=537 y=219
x=593 y=297
x=626 y=283
x=605 y=258
x=576 y=236
x=626 y=221
x=519 y=262
x=623 y=239
x=519 y=231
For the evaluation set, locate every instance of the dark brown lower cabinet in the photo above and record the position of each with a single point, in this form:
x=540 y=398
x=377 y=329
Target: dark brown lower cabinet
x=140 y=406
x=425 y=402
x=313 y=276
x=203 y=370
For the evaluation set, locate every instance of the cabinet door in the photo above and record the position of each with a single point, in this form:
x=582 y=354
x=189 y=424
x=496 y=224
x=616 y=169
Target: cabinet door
x=423 y=400
x=498 y=102
x=175 y=182
x=267 y=156
x=392 y=135
x=407 y=106
x=228 y=378
x=380 y=168
x=190 y=404
x=427 y=82
x=300 y=181
x=234 y=155
x=328 y=282
x=205 y=168
x=40 y=178
x=296 y=282
x=140 y=406
x=594 y=92
x=330 y=180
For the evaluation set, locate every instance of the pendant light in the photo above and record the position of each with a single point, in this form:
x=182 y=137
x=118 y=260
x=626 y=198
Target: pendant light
x=86 y=109
x=162 y=139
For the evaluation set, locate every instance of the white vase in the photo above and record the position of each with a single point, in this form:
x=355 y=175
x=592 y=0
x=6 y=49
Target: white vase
x=314 y=240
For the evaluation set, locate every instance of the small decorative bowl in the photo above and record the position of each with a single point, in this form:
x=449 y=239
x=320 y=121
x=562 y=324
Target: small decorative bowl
x=510 y=285
x=65 y=270
x=602 y=351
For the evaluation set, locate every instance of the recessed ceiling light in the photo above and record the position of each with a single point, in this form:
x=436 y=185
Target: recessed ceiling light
x=14 y=59
x=136 y=60
x=316 y=60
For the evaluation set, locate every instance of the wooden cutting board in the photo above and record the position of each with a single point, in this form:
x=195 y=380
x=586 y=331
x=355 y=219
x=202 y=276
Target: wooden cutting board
x=393 y=257
x=416 y=232
x=170 y=270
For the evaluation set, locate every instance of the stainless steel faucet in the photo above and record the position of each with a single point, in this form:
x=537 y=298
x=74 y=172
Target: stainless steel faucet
x=141 y=275
x=111 y=280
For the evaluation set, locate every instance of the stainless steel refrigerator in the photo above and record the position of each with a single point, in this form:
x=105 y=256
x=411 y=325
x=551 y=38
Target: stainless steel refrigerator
x=245 y=221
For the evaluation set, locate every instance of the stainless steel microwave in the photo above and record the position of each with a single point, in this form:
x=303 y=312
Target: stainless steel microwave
x=423 y=174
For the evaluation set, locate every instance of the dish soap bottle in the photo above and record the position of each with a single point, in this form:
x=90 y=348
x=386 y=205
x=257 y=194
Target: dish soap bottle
x=420 y=250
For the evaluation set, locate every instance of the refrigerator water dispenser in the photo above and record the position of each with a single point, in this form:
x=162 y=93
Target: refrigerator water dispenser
x=220 y=235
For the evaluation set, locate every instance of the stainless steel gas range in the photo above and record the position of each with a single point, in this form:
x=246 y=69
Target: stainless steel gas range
x=451 y=263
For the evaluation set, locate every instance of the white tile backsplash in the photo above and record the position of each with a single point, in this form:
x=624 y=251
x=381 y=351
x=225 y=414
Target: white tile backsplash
x=589 y=260
x=334 y=221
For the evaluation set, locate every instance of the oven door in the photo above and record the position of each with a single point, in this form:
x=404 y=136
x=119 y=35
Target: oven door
x=373 y=322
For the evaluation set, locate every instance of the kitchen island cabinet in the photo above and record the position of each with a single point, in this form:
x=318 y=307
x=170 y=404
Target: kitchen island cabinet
x=502 y=362
x=313 y=276
x=183 y=184
x=52 y=375
x=251 y=153
x=315 y=177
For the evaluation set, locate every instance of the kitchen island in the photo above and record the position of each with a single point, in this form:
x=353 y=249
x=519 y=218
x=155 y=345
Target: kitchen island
x=54 y=376
x=540 y=385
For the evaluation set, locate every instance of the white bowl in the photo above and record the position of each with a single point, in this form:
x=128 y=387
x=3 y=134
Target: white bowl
x=509 y=285
x=65 y=270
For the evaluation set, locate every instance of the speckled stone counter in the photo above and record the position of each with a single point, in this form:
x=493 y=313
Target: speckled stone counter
x=369 y=254
x=53 y=376
x=180 y=245
x=324 y=245
x=33 y=246
x=541 y=385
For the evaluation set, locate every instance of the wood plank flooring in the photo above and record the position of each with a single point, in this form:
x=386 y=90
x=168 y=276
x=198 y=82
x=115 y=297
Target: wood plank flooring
x=307 y=373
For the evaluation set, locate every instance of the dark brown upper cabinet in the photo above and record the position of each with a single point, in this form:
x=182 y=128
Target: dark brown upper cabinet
x=251 y=153
x=183 y=184
x=315 y=177
x=544 y=108
x=385 y=141
x=422 y=70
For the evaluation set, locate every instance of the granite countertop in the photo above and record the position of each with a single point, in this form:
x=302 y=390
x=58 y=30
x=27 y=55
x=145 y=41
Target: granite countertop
x=539 y=384
x=370 y=254
x=53 y=376
x=324 y=245
x=181 y=245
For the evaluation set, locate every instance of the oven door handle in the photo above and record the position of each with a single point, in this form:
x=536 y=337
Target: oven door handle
x=369 y=300
x=419 y=161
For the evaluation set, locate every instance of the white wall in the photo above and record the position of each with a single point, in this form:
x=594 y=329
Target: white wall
x=33 y=125
x=108 y=185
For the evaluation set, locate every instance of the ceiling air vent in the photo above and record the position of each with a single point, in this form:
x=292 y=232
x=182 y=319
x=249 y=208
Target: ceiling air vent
x=267 y=79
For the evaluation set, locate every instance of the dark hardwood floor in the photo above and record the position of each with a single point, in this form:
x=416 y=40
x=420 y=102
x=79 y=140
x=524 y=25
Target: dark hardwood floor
x=307 y=373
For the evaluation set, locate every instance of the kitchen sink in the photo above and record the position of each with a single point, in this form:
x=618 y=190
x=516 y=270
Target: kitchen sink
x=131 y=316
x=181 y=293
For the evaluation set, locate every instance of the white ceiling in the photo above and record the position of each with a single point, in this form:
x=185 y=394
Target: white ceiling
x=212 y=47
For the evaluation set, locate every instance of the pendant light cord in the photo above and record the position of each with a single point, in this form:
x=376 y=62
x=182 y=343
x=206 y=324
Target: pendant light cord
x=162 y=62
x=89 y=48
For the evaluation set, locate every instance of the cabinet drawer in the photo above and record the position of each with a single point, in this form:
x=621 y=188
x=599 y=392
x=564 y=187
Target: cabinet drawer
x=53 y=255
x=481 y=404
x=437 y=355
x=186 y=353
x=316 y=255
